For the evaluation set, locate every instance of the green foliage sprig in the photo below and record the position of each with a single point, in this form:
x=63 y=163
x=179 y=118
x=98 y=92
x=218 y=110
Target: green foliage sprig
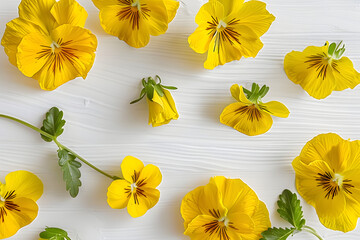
x=52 y=233
x=53 y=127
x=291 y=211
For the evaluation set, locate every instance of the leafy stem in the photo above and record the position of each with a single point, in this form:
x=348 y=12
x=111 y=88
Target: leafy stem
x=291 y=211
x=51 y=129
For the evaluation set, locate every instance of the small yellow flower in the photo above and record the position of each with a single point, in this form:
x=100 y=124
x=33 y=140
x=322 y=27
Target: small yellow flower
x=250 y=115
x=48 y=42
x=321 y=70
x=328 y=178
x=162 y=107
x=18 y=196
x=224 y=209
x=137 y=191
x=229 y=30
x=135 y=20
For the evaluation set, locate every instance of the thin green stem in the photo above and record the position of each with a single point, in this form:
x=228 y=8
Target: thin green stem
x=59 y=145
x=313 y=231
x=28 y=125
x=84 y=161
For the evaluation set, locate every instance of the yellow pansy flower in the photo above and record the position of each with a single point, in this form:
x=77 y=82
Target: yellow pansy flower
x=48 y=42
x=328 y=178
x=321 y=70
x=135 y=20
x=137 y=191
x=162 y=107
x=224 y=209
x=18 y=196
x=250 y=115
x=229 y=30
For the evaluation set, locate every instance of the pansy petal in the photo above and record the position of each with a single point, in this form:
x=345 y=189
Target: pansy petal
x=199 y=226
x=9 y=226
x=171 y=7
x=119 y=193
x=74 y=57
x=69 y=12
x=30 y=52
x=114 y=21
x=208 y=11
x=325 y=147
x=131 y=168
x=238 y=93
x=310 y=70
x=26 y=211
x=190 y=205
x=100 y=4
x=236 y=196
x=345 y=74
x=139 y=204
x=230 y=5
x=254 y=15
x=240 y=222
x=14 y=33
x=157 y=21
x=261 y=221
x=210 y=201
x=162 y=109
x=248 y=42
x=24 y=183
x=345 y=221
x=246 y=119
x=150 y=176
x=200 y=39
x=38 y=12
x=275 y=108
x=221 y=52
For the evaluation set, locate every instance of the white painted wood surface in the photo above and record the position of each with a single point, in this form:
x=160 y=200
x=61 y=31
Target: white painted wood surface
x=104 y=128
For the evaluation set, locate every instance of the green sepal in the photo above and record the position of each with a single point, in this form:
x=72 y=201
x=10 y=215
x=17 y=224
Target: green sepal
x=290 y=209
x=53 y=123
x=256 y=93
x=336 y=50
x=169 y=87
x=277 y=233
x=150 y=85
x=52 y=233
x=159 y=90
x=142 y=95
x=71 y=173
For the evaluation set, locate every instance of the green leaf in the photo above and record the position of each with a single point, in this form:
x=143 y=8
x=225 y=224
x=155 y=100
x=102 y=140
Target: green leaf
x=290 y=209
x=71 y=173
x=53 y=123
x=277 y=233
x=52 y=233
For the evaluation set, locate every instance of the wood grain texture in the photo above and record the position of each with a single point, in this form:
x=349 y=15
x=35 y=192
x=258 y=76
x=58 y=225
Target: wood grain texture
x=104 y=128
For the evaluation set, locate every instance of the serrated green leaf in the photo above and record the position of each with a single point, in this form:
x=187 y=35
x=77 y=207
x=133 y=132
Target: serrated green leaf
x=290 y=209
x=277 y=233
x=53 y=123
x=71 y=173
x=54 y=234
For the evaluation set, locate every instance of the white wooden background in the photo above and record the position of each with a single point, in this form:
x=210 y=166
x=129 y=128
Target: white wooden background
x=104 y=128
